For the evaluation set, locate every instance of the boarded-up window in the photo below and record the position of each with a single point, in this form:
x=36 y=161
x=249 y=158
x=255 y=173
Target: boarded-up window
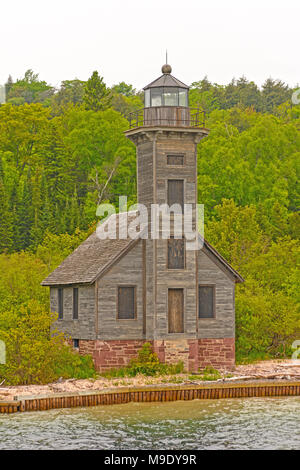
x=60 y=303
x=175 y=310
x=175 y=159
x=175 y=193
x=75 y=303
x=206 y=301
x=126 y=303
x=175 y=253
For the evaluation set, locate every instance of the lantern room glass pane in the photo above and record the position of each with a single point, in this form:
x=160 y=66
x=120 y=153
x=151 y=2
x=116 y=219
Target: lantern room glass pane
x=183 y=101
x=156 y=97
x=171 y=96
x=147 y=98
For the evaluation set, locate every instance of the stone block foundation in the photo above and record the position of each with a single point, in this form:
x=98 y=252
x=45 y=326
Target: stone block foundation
x=110 y=354
x=194 y=353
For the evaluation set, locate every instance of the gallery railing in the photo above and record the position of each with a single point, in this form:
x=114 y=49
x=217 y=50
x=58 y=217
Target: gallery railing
x=172 y=116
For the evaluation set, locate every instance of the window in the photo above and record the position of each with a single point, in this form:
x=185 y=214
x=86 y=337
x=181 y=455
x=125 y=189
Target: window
x=60 y=303
x=75 y=303
x=166 y=96
x=183 y=97
x=126 y=303
x=170 y=96
x=76 y=343
x=175 y=192
x=156 y=97
x=206 y=301
x=147 y=98
x=175 y=253
x=175 y=159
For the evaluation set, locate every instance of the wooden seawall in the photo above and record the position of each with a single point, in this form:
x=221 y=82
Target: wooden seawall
x=150 y=394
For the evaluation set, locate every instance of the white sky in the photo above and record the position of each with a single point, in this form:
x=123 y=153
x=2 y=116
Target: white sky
x=125 y=40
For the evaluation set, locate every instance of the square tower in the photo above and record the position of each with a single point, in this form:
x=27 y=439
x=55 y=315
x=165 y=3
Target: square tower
x=166 y=135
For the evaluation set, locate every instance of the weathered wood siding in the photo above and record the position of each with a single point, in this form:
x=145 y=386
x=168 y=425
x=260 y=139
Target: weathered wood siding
x=223 y=325
x=84 y=327
x=126 y=272
x=145 y=172
x=172 y=144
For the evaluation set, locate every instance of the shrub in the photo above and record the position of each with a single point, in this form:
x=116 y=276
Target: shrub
x=33 y=355
x=146 y=363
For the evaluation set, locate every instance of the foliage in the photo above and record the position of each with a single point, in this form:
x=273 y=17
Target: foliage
x=96 y=95
x=28 y=90
x=33 y=355
x=147 y=363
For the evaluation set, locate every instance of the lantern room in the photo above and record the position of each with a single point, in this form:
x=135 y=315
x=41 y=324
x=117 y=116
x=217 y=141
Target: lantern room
x=166 y=91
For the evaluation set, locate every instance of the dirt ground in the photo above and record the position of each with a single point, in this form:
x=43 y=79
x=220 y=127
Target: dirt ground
x=275 y=369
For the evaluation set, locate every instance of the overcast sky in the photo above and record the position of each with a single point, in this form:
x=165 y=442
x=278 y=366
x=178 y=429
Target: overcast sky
x=125 y=40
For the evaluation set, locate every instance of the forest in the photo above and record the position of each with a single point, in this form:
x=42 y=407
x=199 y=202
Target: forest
x=63 y=152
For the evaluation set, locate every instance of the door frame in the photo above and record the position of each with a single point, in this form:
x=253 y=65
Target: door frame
x=183 y=309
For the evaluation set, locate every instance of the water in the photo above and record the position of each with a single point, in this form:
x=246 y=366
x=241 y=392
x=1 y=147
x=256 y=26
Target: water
x=249 y=423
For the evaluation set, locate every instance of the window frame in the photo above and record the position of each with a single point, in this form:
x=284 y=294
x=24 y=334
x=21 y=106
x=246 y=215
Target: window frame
x=177 y=91
x=134 y=287
x=60 y=303
x=213 y=286
x=183 y=192
x=176 y=165
x=73 y=306
x=184 y=254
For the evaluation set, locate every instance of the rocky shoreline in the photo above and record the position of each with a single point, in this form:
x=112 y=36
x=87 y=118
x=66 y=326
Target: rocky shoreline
x=287 y=370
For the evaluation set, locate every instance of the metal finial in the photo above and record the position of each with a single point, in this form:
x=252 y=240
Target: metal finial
x=166 y=68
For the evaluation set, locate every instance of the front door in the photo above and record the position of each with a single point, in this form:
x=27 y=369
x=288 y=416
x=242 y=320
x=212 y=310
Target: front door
x=175 y=310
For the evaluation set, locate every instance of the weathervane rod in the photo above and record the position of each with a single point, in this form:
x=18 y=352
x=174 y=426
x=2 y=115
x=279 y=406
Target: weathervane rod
x=166 y=56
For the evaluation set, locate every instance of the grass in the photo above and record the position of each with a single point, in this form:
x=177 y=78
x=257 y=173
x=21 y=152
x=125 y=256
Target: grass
x=208 y=374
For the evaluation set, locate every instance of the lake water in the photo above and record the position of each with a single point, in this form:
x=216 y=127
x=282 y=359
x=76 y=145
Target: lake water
x=249 y=423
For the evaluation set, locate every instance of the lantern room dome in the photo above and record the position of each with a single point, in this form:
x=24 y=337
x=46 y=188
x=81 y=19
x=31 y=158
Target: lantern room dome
x=166 y=90
x=166 y=80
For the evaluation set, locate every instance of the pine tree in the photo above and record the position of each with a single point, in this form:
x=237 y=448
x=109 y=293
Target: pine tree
x=25 y=216
x=8 y=86
x=6 y=236
x=96 y=96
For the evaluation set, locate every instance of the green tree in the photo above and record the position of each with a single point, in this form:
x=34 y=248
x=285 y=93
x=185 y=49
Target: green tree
x=97 y=96
x=274 y=93
x=29 y=90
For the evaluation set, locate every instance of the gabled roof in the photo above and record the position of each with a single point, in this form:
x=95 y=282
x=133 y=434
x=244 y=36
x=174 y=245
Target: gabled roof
x=92 y=257
x=95 y=256
x=166 y=80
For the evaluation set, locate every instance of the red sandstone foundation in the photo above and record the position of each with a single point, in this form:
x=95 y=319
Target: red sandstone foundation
x=194 y=353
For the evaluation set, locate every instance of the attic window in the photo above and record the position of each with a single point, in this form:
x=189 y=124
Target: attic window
x=175 y=160
x=126 y=303
x=207 y=301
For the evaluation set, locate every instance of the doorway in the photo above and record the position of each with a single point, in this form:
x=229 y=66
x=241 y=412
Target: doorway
x=175 y=310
